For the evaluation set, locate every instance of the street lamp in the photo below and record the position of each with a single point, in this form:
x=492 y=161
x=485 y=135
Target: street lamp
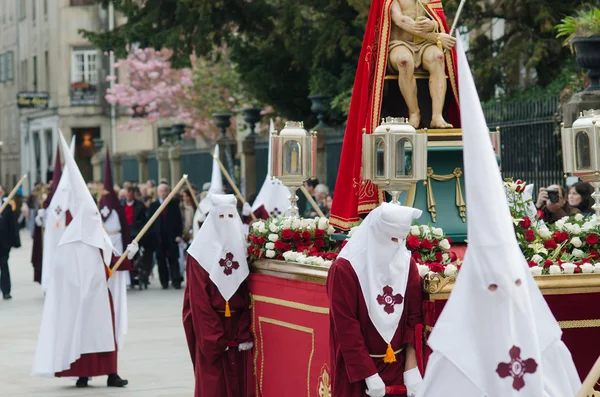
x=394 y=156
x=581 y=151
x=294 y=158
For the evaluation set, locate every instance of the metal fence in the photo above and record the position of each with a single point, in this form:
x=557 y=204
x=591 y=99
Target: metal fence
x=529 y=140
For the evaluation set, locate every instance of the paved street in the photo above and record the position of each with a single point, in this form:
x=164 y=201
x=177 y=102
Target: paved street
x=155 y=358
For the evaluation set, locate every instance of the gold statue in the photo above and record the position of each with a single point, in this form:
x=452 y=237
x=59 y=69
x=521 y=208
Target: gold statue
x=418 y=40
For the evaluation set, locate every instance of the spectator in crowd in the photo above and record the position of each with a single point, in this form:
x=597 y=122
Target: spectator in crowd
x=136 y=215
x=321 y=192
x=188 y=209
x=580 y=197
x=553 y=203
x=167 y=235
x=310 y=185
x=147 y=200
x=9 y=238
x=329 y=204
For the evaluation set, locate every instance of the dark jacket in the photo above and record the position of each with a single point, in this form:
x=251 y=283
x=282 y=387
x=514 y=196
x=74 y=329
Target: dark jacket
x=9 y=231
x=140 y=217
x=168 y=226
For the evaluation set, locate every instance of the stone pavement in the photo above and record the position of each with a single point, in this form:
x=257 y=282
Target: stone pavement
x=155 y=358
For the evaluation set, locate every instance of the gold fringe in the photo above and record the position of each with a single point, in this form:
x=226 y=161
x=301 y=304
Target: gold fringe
x=460 y=201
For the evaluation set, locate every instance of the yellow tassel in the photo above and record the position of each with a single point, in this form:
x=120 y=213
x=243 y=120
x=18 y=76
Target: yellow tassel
x=390 y=357
x=108 y=269
x=227 y=311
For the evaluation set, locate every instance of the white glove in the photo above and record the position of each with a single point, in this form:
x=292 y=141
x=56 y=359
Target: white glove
x=246 y=209
x=412 y=381
x=245 y=346
x=39 y=218
x=132 y=249
x=201 y=217
x=375 y=386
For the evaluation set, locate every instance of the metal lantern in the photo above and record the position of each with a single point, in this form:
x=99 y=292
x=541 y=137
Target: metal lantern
x=294 y=158
x=581 y=151
x=394 y=156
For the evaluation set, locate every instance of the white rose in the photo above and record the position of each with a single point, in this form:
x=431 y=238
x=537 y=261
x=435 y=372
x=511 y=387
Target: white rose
x=560 y=224
x=262 y=228
x=445 y=244
x=296 y=224
x=270 y=246
x=536 y=270
x=569 y=268
x=301 y=258
x=273 y=227
x=415 y=230
x=289 y=256
x=578 y=253
x=545 y=234
x=330 y=230
x=286 y=224
x=450 y=270
x=437 y=232
x=323 y=224
x=425 y=230
x=273 y=237
x=537 y=258
x=578 y=217
x=575 y=229
x=256 y=225
x=319 y=261
x=554 y=269
x=587 y=268
x=270 y=254
x=576 y=241
x=445 y=257
x=328 y=263
x=587 y=226
x=597 y=268
x=423 y=270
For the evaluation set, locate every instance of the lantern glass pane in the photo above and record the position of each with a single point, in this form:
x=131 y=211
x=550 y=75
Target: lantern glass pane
x=404 y=151
x=582 y=149
x=380 y=158
x=292 y=152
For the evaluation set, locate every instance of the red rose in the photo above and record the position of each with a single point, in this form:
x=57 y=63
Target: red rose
x=586 y=260
x=435 y=243
x=417 y=257
x=279 y=245
x=255 y=240
x=257 y=252
x=532 y=264
x=436 y=267
x=319 y=233
x=577 y=269
x=449 y=240
x=319 y=243
x=453 y=256
x=529 y=235
x=547 y=263
x=313 y=251
x=250 y=250
x=426 y=244
x=439 y=257
x=262 y=241
x=525 y=223
x=287 y=234
x=279 y=257
x=594 y=254
x=592 y=239
x=560 y=237
x=300 y=247
x=306 y=235
x=297 y=236
x=540 y=214
x=331 y=256
x=412 y=242
x=287 y=247
x=550 y=244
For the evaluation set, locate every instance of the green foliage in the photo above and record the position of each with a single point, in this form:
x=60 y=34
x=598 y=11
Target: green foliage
x=585 y=23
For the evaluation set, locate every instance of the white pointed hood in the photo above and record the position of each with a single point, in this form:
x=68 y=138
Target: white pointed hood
x=273 y=194
x=382 y=265
x=220 y=246
x=86 y=225
x=216 y=182
x=489 y=329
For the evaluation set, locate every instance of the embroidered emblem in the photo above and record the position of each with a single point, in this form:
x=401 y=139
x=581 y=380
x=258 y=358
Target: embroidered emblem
x=105 y=211
x=228 y=264
x=516 y=368
x=58 y=210
x=275 y=213
x=324 y=388
x=388 y=300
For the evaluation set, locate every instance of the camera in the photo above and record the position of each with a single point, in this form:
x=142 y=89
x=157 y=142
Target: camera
x=553 y=196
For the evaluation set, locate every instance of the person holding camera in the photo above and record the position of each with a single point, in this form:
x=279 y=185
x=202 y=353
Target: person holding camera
x=551 y=200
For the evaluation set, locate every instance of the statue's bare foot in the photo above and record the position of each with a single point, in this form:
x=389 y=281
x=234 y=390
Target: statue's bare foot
x=414 y=119
x=438 y=122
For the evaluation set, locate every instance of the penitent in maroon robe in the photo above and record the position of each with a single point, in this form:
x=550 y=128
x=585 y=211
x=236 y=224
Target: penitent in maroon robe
x=94 y=364
x=218 y=373
x=354 y=338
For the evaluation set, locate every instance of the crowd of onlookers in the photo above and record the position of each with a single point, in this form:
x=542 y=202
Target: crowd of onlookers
x=323 y=198
x=557 y=202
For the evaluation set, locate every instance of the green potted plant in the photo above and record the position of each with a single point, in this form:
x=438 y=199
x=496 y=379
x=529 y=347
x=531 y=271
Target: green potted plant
x=582 y=32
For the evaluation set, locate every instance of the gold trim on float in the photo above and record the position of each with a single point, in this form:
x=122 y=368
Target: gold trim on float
x=291 y=270
x=294 y=327
x=255 y=358
x=290 y=304
x=444 y=143
x=570 y=324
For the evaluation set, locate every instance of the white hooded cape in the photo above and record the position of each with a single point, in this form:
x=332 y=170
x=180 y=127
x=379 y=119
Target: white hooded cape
x=496 y=336
x=76 y=319
x=220 y=247
x=216 y=187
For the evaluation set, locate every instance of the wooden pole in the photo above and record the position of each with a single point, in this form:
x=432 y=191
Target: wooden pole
x=587 y=388
x=312 y=202
x=235 y=189
x=187 y=182
x=151 y=220
x=12 y=193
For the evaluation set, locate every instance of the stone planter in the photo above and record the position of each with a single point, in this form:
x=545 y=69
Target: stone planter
x=222 y=121
x=251 y=116
x=588 y=57
x=319 y=104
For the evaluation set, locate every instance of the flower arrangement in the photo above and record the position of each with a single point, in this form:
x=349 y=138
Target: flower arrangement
x=430 y=248
x=571 y=245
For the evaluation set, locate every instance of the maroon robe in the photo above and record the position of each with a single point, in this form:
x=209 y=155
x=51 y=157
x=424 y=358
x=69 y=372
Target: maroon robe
x=259 y=213
x=218 y=373
x=94 y=364
x=353 y=337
